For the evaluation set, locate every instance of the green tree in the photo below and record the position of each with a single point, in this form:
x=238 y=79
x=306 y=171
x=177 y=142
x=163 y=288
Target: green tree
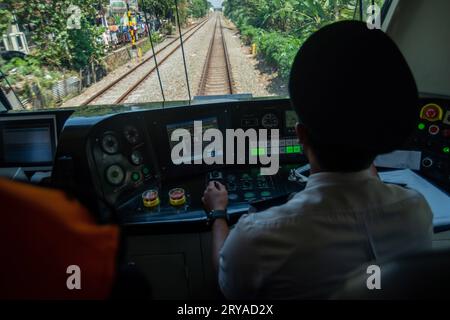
x=199 y=8
x=56 y=45
x=165 y=9
x=5 y=20
x=279 y=27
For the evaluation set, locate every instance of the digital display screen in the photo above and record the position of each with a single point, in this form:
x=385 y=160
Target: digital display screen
x=27 y=141
x=27 y=145
x=197 y=145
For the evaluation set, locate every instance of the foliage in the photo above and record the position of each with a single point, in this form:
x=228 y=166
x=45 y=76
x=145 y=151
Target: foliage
x=5 y=20
x=56 y=45
x=23 y=74
x=156 y=38
x=168 y=28
x=279 y=27
x=165 y=9
x=199 y=8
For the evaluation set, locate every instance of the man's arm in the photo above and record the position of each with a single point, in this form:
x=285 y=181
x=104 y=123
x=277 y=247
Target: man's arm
x=216 y=198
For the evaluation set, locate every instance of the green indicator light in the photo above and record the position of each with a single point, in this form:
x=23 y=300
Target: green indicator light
x=446 y=150
x=258 y=152
x=265 y=194
x=421 y=126
x=135 y=176
x=145 y=171
x=297 y=149
x=249 y=195
x=290 y=149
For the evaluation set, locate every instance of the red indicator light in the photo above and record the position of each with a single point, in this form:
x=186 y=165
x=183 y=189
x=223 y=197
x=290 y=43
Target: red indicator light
x=431 y=113
x=434 y=130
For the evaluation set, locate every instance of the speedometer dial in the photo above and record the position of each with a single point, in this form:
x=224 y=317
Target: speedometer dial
x=115 y=175
x=269 y=121
x=110 y=143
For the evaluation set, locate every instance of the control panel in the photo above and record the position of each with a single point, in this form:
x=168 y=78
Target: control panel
x=123 y=158
x=134 y=170
x=432 y=138
x=130 y=164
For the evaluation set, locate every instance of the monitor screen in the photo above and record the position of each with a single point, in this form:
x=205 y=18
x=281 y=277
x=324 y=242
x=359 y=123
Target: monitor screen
x=197 y=144
x=27 y=145
x=27 y=141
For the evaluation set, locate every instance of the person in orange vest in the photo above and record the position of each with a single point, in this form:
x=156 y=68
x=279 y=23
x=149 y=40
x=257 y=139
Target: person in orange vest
x=52 y=248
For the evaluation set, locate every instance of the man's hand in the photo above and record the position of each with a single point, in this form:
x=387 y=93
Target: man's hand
x=215 y=196
x=374 y=171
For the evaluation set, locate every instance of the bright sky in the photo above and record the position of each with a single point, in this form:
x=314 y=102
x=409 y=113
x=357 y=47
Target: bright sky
x=216 y=3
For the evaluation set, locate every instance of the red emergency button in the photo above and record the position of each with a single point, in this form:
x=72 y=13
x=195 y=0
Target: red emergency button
x=431 y=112
x=434 y=129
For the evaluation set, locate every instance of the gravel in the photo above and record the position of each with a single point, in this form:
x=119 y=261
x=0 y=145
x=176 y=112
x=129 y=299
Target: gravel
x=250 y=74
x=172 y=71
x=90 y=91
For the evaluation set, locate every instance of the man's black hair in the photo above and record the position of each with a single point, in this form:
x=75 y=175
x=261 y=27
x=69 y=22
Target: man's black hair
x=354 y=92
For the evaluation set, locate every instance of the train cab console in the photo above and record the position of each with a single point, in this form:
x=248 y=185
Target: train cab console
x=432 y=138
x=120 y=160
x=126 y=158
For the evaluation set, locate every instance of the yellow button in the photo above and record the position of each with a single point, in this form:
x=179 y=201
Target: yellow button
x=150 y=198
x=177 y=197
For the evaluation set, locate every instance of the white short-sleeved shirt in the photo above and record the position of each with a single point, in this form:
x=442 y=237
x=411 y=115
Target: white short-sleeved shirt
x=310 y=244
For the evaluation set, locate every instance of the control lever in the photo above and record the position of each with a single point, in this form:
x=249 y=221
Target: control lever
x=296 y=175
x=215 y=176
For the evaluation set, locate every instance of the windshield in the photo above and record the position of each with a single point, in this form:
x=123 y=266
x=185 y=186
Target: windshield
x=69 y=53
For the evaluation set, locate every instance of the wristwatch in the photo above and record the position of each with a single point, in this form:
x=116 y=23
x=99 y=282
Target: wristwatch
x=213 y=215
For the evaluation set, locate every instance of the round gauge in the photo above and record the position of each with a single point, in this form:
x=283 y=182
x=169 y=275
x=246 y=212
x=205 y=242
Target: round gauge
x=131 y=134
x=269 y=120
x=115 y=175
x=137 y=158
x=110 y=143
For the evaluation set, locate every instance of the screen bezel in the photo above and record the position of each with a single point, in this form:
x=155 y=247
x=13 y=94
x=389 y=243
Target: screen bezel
x=32 y=121
x=158 y=128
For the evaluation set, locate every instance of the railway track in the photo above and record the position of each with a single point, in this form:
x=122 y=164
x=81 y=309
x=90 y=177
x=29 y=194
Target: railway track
x=216 y=77
x=139 y=73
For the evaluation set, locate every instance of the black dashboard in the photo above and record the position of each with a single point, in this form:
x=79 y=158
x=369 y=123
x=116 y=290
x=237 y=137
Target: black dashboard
x=128 y=156
x=124 y=155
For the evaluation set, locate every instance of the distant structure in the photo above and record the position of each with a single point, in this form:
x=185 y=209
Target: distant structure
x=14 y=39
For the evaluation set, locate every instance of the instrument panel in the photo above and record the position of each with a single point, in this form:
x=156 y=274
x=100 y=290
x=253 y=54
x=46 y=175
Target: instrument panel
x=130 y=162
x=432 y=138
x=133 y=170
x=123 y=157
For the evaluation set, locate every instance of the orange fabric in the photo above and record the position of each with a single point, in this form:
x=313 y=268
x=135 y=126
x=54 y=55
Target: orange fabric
x=42 y=232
